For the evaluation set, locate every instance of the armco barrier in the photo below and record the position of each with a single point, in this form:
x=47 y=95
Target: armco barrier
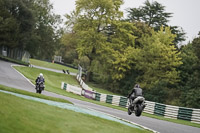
x=123 y=102
x=167 y=111
x=185 y=114
x=70 y=88
x=149 y=107
x=74 y=89
x=88 y=94
x=82 y=83
x=103 y=98
x=109 y=99
x=159 y=109
x=196 y=116
x=115 y=100
x=171 y=111
x=97 y=96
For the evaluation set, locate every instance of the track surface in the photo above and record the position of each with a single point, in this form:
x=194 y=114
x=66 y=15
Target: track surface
x=10 y=77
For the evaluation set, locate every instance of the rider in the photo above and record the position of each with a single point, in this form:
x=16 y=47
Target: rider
x=137 y=91
x=40 y=78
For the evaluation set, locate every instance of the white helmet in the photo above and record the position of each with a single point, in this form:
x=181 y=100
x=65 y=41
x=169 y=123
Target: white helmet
x=41 y=75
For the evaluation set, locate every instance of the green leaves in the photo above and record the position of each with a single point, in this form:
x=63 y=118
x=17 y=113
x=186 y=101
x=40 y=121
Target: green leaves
x=29 y=25
x=120 y=53
x=158 y=59
x=154 y=15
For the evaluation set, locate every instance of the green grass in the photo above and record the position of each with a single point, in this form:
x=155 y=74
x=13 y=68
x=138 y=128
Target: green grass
x=19 y=115
x=61 y=67
x=99 y=88
x=52 y=80
x=51 y=65
x=13 y=60
x=52 y=77
x=53 y=83
x=33 y=94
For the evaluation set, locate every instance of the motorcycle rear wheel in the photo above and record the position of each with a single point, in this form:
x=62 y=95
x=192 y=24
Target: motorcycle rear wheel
x=138 y=110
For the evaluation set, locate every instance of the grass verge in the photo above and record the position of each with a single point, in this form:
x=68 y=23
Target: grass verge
x=19 y=115
x=33 y=94
x=52 y=65
x=13 y=60
x=100 y=88
x=50 y=77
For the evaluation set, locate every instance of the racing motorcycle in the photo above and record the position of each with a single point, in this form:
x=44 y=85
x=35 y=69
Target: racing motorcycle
x=40 y=87
x=137 y=105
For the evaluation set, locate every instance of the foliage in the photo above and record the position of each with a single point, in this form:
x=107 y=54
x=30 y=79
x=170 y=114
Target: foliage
x=190 y=74
x=158 y=59
x=122 y=53
x=29 y=25
x=151 y=13
x=68 y=48
x=46 y=33
x=91 y=22
x=154 y=15
x=16 y=23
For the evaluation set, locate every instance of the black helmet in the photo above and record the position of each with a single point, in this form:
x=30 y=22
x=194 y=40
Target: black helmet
x=137 y=86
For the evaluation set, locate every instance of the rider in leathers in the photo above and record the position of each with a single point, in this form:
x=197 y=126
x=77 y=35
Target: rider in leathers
x=137 y=91
x=40 y=78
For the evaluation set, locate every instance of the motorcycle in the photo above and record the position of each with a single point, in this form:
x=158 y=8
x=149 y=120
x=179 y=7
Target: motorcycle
x=40 y=87
x=137 y=105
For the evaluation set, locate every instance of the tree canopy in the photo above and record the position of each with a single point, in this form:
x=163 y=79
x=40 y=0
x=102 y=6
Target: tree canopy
x=154 y=15
x=30 y=25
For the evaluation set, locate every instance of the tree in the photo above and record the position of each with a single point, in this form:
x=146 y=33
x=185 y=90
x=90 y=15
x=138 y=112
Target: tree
x=190 y=74
x=151 y=13
x=68 y=48
x=90 y=21
x=30 y=25
x=16 y=23
x=46 y=35
x=154 y=15
x=158 y=59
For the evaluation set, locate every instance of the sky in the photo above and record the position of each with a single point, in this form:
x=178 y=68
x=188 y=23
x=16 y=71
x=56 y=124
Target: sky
x=185 y=12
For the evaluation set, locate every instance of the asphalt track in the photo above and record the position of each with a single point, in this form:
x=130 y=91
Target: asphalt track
x=10 y=77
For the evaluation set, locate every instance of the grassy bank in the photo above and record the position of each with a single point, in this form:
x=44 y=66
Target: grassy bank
x=33 y=94
x=96 y=87
x=19 y=115
x=52 y=65
x=13 y=60
x=52 y=80
x=52 y=77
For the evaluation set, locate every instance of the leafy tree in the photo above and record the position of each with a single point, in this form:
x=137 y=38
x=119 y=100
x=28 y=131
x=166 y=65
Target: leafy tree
x=151 y=13
x=68 y=48
x=16 y=23
x=190 y=74
x=29 y=25
x=90 y=21
x=46 y=34
x=154 y=15
x=158 y=59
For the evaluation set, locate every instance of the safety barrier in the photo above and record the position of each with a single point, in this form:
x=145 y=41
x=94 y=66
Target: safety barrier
x=167 y=111
x=82 y=83
x=70 y=88
x=149 y=107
